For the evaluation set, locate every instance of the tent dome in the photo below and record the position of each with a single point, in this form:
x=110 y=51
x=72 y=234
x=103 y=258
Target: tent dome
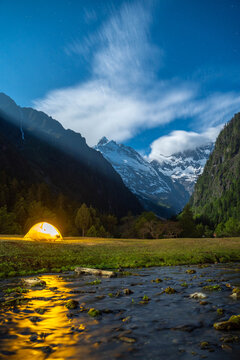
x=43 y=231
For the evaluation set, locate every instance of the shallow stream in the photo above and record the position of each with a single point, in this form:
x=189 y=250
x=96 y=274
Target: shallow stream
x=164 y=326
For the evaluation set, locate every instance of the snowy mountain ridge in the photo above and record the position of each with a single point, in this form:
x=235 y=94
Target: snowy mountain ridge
x=159 y=190
x=185 y=167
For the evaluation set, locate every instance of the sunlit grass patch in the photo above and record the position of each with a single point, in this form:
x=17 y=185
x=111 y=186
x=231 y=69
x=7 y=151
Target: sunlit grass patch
x=21 y=257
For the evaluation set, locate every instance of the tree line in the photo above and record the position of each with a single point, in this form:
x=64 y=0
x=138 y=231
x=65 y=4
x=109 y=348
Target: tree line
x=21 y=208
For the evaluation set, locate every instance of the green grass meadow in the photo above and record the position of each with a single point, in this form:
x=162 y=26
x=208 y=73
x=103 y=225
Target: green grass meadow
x=22 y=257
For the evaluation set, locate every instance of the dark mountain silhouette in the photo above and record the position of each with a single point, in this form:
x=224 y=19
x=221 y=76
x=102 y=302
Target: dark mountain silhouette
x=36 y=149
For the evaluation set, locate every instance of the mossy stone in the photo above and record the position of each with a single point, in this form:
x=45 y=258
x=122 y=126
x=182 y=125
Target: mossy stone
x=170 y=290
x=204 y=345
x=232 y=324
x=128 y=291
x=72 y=304
x=191 y=271
x=212 y=287
x=158 y=280
x=94 y=312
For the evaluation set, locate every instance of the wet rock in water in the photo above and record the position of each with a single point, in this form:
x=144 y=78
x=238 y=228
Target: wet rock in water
x=212 y=288
x=43 y=335
x=94 y=282
x=230 y=339
x=232 y=324
x=136 y=284
x=203 y=302
x=53 y=288
x=127 y=339
x=34 y=319
x=204 y=345
x=116 y=294
x=226 y=347
x=46 y=349
x=3 y=330
x=184 y=284
x=107 y=311
x=144 y=300
x=71 y=304
x=7 y=352
x=127 y=291
x=170 y=290
x=32 y=282
x=81 y=327
x=158 y=280
x=15 y=291
x=78 y=292
x=40 y=311
x=188 y=327
x=126 y=319
x=235 y=293
x=100 y=297
x=94 y=312
x=83 y=308
x=14 y=301
x=198 y=295
x=220 y=311
x=97 y=344
x=191 y=271
x=33 y=337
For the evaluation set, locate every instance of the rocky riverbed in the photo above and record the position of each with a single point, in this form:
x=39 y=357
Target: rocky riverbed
x=156 y=313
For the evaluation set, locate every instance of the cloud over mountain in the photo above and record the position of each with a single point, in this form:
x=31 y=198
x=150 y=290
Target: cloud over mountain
x=180 y=140
x=124 y=95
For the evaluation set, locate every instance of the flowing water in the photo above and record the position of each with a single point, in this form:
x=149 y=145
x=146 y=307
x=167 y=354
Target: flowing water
x=167 y=326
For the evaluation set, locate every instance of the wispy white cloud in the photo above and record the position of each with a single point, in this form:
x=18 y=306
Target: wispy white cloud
x=180 y=140
x=90 y=15
x=96 y=110
x=215 y=109
x=123 y=96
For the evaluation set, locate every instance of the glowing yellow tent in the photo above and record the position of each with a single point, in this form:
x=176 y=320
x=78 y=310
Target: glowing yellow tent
x=43 y=231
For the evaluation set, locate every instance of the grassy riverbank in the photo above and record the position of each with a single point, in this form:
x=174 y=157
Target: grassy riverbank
x=21 y=257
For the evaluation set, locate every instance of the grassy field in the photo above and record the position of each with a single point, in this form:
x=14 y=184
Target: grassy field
x=21 y=257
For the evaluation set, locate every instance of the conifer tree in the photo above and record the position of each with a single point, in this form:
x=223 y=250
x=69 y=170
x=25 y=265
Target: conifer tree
x=83 y=220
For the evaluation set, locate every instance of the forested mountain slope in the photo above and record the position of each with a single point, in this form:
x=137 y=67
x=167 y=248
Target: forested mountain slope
x=216 y=197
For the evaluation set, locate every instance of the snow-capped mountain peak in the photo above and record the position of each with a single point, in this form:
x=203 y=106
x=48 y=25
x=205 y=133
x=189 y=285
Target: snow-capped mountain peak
x=154 y=189
x=103 y=141
x=185 y=167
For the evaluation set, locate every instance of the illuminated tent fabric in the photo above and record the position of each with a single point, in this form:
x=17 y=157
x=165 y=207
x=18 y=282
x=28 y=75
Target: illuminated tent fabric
x=43 y=231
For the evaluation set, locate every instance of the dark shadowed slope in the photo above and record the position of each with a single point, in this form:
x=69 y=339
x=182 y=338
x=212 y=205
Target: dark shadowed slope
x=37 y=149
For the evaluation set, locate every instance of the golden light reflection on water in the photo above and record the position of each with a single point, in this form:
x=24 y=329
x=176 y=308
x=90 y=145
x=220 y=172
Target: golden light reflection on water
x=53 y=330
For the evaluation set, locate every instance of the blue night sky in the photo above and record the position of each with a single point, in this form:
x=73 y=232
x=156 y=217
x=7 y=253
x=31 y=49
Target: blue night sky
x=160 y=76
